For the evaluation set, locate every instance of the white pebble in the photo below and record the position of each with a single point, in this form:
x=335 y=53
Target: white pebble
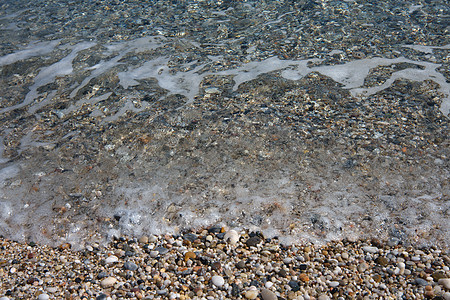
x=287 y=260
x=323 y=297
x=4 y=298
x=268 y=284
x=218 y=280
x=231 y=236
x=333 y=284
x=43 y=297
x=111 y=259
x=370 y=249
x=447 y=295
x=108 y=282
x=154 y=254
x=252 y=293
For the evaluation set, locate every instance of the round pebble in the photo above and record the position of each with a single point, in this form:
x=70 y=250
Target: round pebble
x=43 y=297
x=108 y=282
x=218 y=280
x=130 y=266
x=231 y=236
x=445 y=282
x=268 y=295
x=111 y=259
x=252 y=293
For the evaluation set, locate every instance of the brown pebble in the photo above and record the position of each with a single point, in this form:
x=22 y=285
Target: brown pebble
x=382 y=261
x=377 y=278
x=189 y=255
x=303 y=277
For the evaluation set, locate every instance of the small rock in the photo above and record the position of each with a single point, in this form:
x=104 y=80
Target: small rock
x=287 y=260
x=108 y=282
x=382 y=261
x=111 y=259
x=294 y=285
x=362 y=267
x=240 y=264
x=446 y=296
x=445 y=282
x=154 y=254
x=231 y=236
x=303 y=277
x=268 y=295
x=438 y=275
x=218 y=280
x=130 y=266
x=420 y=281
x=370 y=249
x=43 y=297
x=161 y=250
x=143 y=239
x=189 y=255
x=333 y=284
x=323 y=297
x=252 y=293
x=101 y=297
x=253 y=241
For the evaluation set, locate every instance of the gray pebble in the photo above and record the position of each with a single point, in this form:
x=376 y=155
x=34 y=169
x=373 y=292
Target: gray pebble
x=420 y=281
x=268 y=295
x=130 y=266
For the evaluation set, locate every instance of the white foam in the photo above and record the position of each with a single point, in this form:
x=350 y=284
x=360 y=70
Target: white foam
x=138 y=45
x=427 y=49
x=48 y=74
x=33 y=49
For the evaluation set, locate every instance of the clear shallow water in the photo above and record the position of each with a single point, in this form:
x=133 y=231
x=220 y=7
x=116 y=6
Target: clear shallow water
x=313 y=120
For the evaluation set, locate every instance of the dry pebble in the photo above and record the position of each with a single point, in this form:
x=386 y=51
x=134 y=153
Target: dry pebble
x=209 y=265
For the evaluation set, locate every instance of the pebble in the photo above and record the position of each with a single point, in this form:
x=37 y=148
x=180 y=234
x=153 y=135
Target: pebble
x=218 y=280
x=143 y=239
x=445 y=282
x=108 y=282
x=371 y=249
x=252 y=293
x=111 y=259
x=43 y=297
x=362 y=267
x=130 y=266
x=333 y=284
x=232 y=237
x=268 y=295
x=446 y=296
x=281 y=272
x=253 y=241
x=420 y=281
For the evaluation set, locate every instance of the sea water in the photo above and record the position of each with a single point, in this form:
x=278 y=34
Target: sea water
x=139 y=118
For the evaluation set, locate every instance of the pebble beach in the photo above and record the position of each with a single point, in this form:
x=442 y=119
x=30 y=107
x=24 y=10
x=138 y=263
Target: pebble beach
x=217 y=149
x=218 y=263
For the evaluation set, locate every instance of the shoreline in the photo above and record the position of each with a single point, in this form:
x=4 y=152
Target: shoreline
x=216 y=263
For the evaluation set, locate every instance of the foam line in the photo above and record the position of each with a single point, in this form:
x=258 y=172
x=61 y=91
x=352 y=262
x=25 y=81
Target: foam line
x=48 y=75
x=33 y=49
